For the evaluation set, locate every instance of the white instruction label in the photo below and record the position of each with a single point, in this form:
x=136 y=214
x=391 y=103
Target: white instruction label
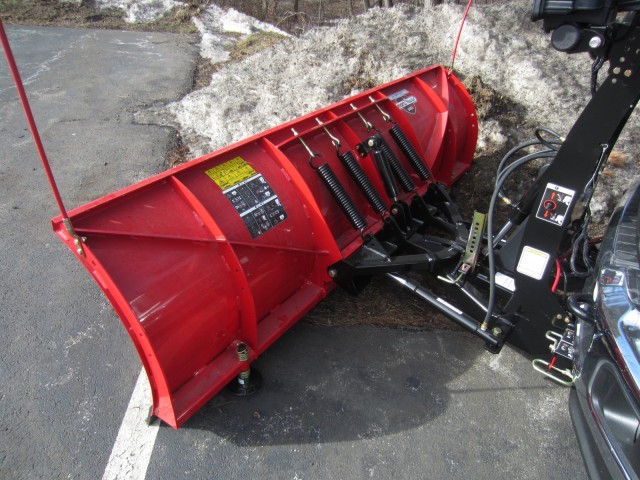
x=533 y=262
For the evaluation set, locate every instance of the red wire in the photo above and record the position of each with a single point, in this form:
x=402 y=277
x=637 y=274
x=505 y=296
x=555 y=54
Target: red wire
x=556 y=280
x=30 y=120
x=455 y=46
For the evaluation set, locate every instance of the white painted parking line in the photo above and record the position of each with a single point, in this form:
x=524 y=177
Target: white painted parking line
x=132 y=450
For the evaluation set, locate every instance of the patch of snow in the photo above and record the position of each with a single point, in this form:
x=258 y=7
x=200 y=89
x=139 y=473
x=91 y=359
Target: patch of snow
x=499 y=44
x=490 y=134
x=213 y=44
x=141 y=11
x=230 y=20
x=215 y=25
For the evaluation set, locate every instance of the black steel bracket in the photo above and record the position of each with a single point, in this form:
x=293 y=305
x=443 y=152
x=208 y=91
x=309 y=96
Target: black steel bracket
x=575 y=170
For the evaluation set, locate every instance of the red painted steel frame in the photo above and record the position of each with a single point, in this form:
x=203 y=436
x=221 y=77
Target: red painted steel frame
x=189 y=277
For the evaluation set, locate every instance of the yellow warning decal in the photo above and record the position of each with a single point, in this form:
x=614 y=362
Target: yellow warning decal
x=231 y=173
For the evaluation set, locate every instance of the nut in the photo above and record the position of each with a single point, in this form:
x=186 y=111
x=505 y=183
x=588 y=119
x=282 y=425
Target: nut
x=595 y=42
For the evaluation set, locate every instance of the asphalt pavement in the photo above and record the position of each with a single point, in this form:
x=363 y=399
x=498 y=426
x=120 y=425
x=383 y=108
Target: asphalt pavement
x=338 y=402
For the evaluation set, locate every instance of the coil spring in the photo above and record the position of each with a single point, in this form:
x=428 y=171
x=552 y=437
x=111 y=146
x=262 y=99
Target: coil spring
x=407 y=148
x=401 y=174
x=361 y=179
x=341 y=196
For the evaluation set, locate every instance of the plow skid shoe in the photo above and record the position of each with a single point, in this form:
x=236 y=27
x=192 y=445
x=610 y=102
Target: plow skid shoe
x=233 y=248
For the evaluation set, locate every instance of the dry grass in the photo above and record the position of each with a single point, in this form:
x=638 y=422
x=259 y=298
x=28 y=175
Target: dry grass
x=253 y=44
x=381 y=303
x=178 y=153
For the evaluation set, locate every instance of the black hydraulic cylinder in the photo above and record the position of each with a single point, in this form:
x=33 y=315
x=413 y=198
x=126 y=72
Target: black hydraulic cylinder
x=385 y=172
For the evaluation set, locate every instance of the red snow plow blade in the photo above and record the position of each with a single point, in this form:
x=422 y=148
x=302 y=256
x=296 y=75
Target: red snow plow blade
x=236 y=246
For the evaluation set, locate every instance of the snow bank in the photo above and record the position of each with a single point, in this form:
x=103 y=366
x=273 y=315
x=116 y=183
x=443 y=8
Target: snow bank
x=216 y=24
x=298 y=75
x=231 y=20
x=141 y=11
x=301 y=74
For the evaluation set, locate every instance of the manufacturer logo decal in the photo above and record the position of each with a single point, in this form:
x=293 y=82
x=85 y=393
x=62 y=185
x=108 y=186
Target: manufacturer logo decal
x=404 y=100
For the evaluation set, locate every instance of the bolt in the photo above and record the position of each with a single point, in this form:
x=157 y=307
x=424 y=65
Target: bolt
x=567 y=320
x=242 y=352
x=371 y=143
x=616 y=71
x=595 y=42
x=628 y=73
x=496 y=331
x=394 y=211
x=332 y=272
x=559 y=316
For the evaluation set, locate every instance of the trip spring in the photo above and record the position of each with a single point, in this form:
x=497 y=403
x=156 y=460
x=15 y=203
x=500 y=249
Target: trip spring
x=407 y=148
x=399 y=171
x=341 y=196
x=361 y=179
